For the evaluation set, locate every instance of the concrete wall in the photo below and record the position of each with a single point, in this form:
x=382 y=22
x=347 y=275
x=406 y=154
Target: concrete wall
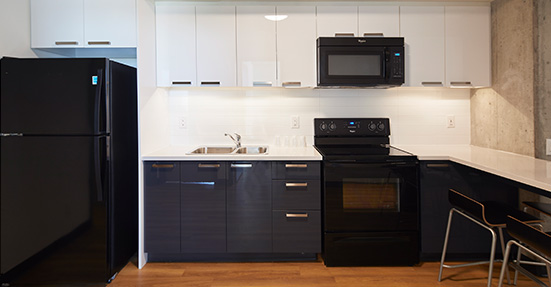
x=502 y=117
x=542 y=92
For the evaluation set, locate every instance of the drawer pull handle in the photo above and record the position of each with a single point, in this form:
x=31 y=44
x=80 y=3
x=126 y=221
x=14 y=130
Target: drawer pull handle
x=155 y=165
x=296 y=184
x=210 y=83
x=431 y=83
x=374 y=35
x=460 y=83
x=296 y=215
x=60 y=43
x=241 y=165
x=437 y=165
x=262 y=84
x=208 y=165
x=181 y=82
x=99 y=43
x=344 y=34
x=294 y=165
x=291 y=84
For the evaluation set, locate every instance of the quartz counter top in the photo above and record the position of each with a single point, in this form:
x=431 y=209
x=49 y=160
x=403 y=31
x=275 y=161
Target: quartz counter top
x=178 y=153
x=524 y=169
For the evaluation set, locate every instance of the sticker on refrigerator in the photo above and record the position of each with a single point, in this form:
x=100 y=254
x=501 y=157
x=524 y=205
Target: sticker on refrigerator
x=94 y=80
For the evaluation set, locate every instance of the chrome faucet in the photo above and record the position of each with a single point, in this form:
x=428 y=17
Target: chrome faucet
x=236 y=140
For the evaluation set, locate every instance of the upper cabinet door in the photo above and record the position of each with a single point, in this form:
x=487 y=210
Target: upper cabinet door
x=216 y=48
x=468 y=46
x=57 y=23
x=256 y=46
x=423 y=30
x=296 y=46
x=379 y=21
x=176 y=54
x=337 y=20
x=110 y=23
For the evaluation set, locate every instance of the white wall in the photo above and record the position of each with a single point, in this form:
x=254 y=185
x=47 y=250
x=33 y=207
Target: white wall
x=15 y=29
x=418 y=116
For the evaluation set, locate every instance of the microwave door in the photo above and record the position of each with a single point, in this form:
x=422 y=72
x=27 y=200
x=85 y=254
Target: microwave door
x=352 y=66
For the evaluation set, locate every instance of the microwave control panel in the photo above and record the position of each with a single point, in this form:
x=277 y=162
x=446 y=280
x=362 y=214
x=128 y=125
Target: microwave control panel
x=397 y=62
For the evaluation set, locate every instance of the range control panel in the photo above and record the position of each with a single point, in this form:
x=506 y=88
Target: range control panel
x=352 y=127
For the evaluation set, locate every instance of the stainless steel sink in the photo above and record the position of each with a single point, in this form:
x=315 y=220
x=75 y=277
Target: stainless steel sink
x=230 y=150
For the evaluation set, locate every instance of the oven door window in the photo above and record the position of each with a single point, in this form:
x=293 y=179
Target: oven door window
x=371 y=195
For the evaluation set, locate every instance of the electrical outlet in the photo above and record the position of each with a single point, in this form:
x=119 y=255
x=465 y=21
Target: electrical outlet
x=451 y=121
x=548 y=147
x=295 y=122
x=182 y=123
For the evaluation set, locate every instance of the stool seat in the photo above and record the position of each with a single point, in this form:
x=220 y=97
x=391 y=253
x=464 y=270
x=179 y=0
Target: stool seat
x=496 y=214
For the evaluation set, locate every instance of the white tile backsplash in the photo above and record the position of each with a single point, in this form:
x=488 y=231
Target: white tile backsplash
x=418 y=115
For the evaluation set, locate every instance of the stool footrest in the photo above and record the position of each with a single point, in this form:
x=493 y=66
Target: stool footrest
x=469 y=264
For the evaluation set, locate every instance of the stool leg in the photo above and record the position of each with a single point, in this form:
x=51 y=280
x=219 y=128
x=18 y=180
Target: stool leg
x=548 y=273
x=518 y=262
x=492 y=257
x=445 y=244
x=502 y=241
x=505 y=262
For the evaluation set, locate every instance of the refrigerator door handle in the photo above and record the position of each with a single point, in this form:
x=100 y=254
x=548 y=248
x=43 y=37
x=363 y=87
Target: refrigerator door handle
x=98 y=167
x=97 y=106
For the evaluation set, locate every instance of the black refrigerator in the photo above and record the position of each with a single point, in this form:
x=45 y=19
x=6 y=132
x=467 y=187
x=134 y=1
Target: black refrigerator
x=69 y=171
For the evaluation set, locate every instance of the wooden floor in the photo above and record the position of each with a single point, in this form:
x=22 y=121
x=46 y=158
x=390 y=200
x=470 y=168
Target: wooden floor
x=300 y=274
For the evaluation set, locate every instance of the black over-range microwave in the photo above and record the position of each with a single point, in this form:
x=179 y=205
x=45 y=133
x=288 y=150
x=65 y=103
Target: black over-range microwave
x=360 y=61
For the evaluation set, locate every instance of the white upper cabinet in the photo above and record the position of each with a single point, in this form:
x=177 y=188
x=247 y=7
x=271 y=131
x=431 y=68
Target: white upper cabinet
x=337 y=21
x=256 y=46
x=109 y=23
x=175 y=36
x=83 y=23
x=423 y=30
x=296 y=46
x=216 y=47
x=379 y=21
x=57 y=23
x=468 y=46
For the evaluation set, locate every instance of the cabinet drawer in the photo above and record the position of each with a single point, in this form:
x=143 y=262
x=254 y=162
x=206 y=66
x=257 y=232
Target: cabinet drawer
x=296 y=194
x=296 y=170
x=162 y=175
x=203 y=171
x=296 y=231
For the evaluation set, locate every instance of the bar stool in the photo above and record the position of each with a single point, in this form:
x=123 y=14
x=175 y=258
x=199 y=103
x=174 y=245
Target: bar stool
x=534 y=242
x=489 y=215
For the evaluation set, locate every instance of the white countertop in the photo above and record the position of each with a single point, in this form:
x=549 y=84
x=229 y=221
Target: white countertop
x=178 y=153
x=520 y=168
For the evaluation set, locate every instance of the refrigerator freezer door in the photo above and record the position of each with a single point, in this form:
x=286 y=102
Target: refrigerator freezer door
x=53 y=96
x=50 y=215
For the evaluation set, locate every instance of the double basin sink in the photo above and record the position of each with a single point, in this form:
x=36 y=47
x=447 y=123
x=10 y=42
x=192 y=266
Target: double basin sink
x=256 y=150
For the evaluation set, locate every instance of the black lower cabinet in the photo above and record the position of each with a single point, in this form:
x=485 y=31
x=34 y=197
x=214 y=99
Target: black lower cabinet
x=249 y=214
x=203 y=207
x=467 y=241
x=162 y=207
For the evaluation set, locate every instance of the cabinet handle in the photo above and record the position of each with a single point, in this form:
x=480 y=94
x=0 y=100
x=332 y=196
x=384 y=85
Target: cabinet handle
x=374 y=35
x=438 y=165
x=262 y=84
x=210 y=83
x=181 y=82
x=431 y=83
x=460 y=83
x=155 y=165
x=344 y=34
x=241 y=165
x=208 y=165
x=291 y=84
x=296 y=184
x=198 y=182
x=61 y=43
x=296 y=215
x=294 y=165
x=99 y=43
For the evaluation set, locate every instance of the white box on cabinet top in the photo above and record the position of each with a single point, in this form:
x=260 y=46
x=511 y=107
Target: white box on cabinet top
x=83 y=23
x=468 y=46
x=256 y=46
x=176 y=53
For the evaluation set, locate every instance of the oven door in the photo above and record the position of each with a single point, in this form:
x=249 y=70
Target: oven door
x=370 y=196
x=351 y=66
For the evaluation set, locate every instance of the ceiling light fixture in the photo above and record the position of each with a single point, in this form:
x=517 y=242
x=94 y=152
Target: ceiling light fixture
x=276 y=17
